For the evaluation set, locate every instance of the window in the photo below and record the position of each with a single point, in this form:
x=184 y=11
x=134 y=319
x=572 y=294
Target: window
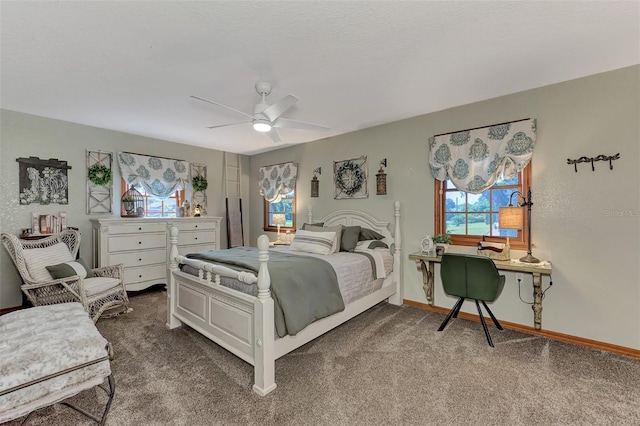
x=468 y=217
x=286 y=205
x=158 y=207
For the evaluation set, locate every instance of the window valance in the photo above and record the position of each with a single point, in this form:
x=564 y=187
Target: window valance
x=160 y=177
x=276 y=180
x=475 y=159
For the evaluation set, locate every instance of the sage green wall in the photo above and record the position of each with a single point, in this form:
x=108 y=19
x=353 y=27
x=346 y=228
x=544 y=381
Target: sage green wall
x=586 y=223
x=24 y=135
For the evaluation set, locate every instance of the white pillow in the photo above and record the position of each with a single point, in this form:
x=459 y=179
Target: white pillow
x=336 y=229
x=313 y=242
x=38 y=259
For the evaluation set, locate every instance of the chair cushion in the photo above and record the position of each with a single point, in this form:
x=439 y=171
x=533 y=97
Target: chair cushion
x=45 y=340
x=68 y=269
x=97 y=285
x=37 y=260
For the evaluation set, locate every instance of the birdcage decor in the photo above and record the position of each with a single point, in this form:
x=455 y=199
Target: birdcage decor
x=132 y=203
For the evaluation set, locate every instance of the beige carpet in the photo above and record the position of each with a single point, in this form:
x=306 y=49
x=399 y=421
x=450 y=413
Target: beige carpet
x=387 y=366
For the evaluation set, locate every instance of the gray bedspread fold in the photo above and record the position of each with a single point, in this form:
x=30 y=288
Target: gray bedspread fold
x=303 y=288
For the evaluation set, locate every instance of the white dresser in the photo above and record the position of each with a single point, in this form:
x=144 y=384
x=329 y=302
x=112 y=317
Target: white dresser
x=142 y=245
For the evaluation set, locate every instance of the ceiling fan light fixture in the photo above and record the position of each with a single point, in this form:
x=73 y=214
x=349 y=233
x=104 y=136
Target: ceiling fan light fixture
x=262 y=126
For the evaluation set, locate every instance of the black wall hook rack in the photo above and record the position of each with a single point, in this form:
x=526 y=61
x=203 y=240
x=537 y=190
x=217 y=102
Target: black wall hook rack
x=592 y=160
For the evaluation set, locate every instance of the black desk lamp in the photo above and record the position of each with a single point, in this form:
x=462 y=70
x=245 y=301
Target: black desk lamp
x=512 y=217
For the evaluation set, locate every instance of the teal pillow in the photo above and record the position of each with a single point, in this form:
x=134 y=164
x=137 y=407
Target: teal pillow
x=349 y=238
x=69 y=269
x=369 y=234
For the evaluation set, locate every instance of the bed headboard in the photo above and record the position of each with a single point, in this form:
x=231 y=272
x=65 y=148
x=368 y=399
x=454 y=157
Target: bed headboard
x=360 y=218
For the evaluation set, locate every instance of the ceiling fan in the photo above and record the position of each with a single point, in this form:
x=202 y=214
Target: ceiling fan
x=266 y=118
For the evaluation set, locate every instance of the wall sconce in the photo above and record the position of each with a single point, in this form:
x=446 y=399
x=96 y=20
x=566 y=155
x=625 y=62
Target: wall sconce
x=381 y=179
x=512 y=217
x=315 y=183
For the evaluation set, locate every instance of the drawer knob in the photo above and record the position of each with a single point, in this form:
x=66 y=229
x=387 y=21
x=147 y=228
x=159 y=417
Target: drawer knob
x=140 y=229
x=139 y=242
x=139 y=260
x=196 y=226
x=196 y=238
x=139 y=276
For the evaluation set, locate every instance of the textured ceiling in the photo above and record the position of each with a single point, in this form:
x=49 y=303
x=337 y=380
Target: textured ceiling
x=132 y=66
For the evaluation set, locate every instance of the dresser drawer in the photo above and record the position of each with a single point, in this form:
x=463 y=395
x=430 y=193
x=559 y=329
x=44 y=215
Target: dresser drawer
x=193 y=225
x=145 y=273
x=139 y=258
x=199 y=237
x=136 y=228
x=137 y=242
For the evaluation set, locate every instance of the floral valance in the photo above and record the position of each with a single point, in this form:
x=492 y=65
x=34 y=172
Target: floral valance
x=475 y=159
x=276 y=180
x=160 y=177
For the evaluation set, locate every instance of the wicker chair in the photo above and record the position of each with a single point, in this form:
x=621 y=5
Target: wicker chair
x=105 y=290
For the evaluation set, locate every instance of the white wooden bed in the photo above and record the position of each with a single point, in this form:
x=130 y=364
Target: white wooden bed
x=244 y=324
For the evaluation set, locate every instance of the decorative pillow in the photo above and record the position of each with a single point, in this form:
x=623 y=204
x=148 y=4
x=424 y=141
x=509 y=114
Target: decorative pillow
x=369 y=234
x=313 y=242
x=69 y=269
x=337 y=229
x=349 y=238
x=377 y=243
x=37 y=259
x=304 y=225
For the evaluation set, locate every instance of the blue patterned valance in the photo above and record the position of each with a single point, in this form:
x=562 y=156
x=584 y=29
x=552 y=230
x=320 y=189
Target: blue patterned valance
x=475 y=159
x=277 y=180
x=160 y=177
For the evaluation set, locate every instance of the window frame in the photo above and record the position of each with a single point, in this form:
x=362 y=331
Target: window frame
x=266 y=212
x=520 y=242
x=179 y=196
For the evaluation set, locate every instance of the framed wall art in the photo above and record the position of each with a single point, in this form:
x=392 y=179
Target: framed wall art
x=43 y=181
x=350 y=178
x=199 y=184
x=99 y=182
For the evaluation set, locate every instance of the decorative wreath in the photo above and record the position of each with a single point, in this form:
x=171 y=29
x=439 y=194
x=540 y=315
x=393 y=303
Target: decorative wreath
x=350 y=178
x=199 y=183
x=100 y=174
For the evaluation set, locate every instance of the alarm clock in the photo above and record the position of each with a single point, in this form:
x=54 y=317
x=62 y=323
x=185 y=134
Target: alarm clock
x=427 y=245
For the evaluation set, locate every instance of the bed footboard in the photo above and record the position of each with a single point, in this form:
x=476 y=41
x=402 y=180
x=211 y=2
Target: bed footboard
x=241 y=323
x=244 y=324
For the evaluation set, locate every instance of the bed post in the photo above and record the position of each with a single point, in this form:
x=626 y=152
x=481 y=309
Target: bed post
x=264 y=366
x=172 y=296
x=398 y=297
x=309 y=213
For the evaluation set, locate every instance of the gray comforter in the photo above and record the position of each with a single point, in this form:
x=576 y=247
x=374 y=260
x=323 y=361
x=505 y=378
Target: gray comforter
x=303 y=288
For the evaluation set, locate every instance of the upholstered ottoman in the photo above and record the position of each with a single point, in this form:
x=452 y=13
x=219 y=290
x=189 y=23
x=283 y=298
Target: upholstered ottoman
x=48 y=354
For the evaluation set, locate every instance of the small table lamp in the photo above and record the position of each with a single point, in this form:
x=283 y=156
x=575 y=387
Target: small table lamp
x=278 y=219
x=512 y=217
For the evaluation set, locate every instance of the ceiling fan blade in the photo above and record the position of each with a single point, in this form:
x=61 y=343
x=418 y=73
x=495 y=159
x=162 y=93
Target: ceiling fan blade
x=276 y=110
x=225 y=125
x=223 y=106
x=273 y=134
x=294 y=124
